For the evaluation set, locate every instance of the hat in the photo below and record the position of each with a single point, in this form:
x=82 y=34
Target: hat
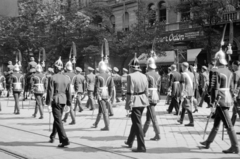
x=32 y=59
x=125 y=70
x=90 y=69
x=173 y=67
x=39 y=68
x=204 y=67
x=185 y=64
x=32 y=70
x=102 y=66
x=97 y=69
x=78 y=69
x=109 y=69
x=115 y=69
x=69 y=66
x=50 y=70
x=134 y=63
x=10 y=62
x=59 y=63
x=221 y=57
x=169 y=68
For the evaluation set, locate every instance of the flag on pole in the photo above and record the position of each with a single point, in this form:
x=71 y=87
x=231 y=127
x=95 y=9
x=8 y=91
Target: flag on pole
x=9 y=8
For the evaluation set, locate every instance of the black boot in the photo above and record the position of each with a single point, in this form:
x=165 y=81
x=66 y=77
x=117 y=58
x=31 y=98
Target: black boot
x=210 y=139
x=97 y=121
x=234 y=142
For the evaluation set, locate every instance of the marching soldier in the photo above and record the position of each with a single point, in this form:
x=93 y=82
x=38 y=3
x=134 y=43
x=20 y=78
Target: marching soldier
x=2 y=87
x=103 y=88
x=90 y=88
x=79 y=85
x=236 y=107
x=117 y=87
x=17 y=85
x=224 y=82
x=71 y=76
x=32 y=63
x=58 y=95
x=137 y=100
x=154 y=87
x=39 y=87
x=174 y=89
x=124 y=83
x=187 y=94
x=203 y=87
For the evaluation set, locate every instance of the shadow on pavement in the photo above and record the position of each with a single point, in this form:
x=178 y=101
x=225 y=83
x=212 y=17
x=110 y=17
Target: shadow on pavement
x=104 y=138
x=33 y=124
x=21 y=143
x=15 y=118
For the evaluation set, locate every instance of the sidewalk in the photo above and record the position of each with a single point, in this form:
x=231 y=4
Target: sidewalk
x=29 y=136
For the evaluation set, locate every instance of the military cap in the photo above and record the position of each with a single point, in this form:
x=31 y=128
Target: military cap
x=125 y=70
x=10 y=62
x=32 y=70
x=185 y=64
x=115 y=69
x=109 y=69
x=32 y=58
x=90 y=69
x=97 y=69
x=78 y=69
x=50 y=70
x=204 y=67
x=169 y=68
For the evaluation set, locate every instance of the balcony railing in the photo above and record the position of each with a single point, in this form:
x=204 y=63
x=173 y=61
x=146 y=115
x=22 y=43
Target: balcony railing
x=231 y=16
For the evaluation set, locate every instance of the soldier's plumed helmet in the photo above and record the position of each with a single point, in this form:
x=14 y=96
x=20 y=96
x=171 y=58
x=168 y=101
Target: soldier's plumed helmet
x=151 y=63
x=58 y=64
x=16 y=68
x=220 y=56
x=39 y=68
x=69 y=66
x=102 y=66
x=134 y=63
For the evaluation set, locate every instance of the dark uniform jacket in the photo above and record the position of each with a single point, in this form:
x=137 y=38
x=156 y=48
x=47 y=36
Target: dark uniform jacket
x=17 y=78
x=154 y=86
x=103 y=86
x=224 y=83
x=79 y=83
x=175 y=78
x=90 y=82
x=59 y=90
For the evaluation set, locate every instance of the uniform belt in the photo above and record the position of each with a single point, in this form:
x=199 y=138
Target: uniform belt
x=136 y=94
x=152 y=89
x=176 y=82
x=103 y=88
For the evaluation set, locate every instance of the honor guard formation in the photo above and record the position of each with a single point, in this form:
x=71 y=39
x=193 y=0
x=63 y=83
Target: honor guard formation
x=63 y=88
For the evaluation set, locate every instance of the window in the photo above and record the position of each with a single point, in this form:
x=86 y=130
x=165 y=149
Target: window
x=185 y=16
x=126 y=21
x=151 y=14
x=112 y=19
x=162 y=11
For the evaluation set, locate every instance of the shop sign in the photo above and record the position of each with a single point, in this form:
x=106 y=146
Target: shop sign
x=180 y=36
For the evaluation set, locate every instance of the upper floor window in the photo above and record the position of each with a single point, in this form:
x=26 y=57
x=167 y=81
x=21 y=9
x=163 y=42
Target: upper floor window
x=126 y=21
x=112 y=19
x=162 y=11
x=151 y=14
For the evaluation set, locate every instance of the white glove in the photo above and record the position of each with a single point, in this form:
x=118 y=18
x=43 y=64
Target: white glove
x=49 y=109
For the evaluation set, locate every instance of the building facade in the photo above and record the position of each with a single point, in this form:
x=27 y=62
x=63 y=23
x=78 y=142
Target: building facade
x=178 y=29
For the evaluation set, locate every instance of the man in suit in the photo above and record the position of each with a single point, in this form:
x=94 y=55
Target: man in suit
x=103 y=88
x=224 y=83
x=154 y=83
x=187 y=94
x=137 y=100
x=79 y=85
x=58 y=95
x=90 y=88
x=174 y=89
x=17 y=87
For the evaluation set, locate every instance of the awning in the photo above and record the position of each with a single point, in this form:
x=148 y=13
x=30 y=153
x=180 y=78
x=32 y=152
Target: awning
x=192 y=54
x=169 y=57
